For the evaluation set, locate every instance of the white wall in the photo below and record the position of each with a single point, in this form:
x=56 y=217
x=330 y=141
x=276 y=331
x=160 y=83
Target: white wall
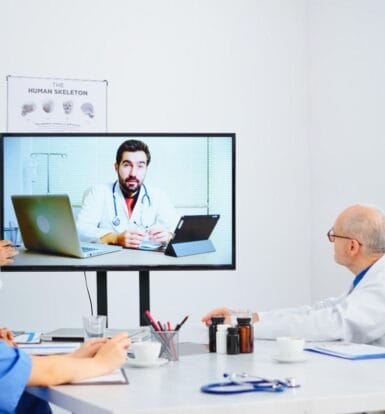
x=191 y=65
x=346 y=121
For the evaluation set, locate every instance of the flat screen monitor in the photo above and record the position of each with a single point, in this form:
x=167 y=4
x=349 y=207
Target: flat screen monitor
x=172 y=179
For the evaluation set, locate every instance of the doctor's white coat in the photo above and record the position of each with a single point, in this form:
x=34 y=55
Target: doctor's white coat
x=97 y=214
x=358 y=316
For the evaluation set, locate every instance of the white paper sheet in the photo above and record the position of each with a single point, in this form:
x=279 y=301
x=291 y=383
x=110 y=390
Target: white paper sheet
x=50 y=348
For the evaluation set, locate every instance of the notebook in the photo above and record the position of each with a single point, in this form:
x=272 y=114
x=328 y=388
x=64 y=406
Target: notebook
x=116 y=377
x=47 y=225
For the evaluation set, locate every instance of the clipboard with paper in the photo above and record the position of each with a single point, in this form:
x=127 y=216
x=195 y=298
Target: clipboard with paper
x=349 y=351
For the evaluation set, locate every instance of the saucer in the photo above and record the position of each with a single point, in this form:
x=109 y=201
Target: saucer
x=141 y=364
x=299 y=358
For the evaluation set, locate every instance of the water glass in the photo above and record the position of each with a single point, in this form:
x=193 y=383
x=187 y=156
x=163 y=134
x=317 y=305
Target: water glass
x=94 y=326
x=11 y=234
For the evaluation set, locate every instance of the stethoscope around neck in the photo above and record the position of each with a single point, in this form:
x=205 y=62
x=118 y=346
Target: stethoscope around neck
x=116 y=219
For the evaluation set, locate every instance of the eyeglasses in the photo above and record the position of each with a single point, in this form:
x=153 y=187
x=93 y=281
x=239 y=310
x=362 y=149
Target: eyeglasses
x=332 y=237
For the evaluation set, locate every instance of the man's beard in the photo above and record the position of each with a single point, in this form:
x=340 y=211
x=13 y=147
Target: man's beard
x=129 y=189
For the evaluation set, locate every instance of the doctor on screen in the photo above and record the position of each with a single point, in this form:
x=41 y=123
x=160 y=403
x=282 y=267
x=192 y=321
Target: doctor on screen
x=127 y=212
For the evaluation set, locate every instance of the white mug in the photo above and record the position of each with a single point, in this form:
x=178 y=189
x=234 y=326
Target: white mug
x=146 y=352
x=290 y=346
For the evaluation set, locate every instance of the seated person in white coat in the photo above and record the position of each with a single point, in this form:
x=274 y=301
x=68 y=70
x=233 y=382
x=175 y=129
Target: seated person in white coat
x=127 y=211
x=358 y=315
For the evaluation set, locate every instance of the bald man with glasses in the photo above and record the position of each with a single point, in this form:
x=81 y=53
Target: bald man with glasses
x=358 y=315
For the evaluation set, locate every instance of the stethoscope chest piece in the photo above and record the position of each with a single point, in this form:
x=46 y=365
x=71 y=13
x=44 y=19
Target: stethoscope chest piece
x=116 y=221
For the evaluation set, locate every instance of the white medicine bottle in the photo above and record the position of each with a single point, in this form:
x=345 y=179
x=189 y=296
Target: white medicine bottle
x=222 y=338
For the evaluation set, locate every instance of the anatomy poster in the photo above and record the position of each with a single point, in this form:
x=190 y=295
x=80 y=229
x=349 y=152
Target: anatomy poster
x=56 y=105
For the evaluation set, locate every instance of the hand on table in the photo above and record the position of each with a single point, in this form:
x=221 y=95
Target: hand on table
x=7 y=252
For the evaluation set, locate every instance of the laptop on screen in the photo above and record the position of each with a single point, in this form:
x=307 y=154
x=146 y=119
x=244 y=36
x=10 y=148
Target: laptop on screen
x=47 y=225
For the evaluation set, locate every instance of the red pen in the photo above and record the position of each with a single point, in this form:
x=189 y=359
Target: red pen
x=169 y=326
x=152 y=321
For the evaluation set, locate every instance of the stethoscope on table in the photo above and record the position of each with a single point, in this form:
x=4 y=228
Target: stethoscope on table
x=116 y=219
x=241 y=383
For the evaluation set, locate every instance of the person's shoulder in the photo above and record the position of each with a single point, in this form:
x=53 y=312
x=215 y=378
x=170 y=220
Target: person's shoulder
x=375 y=274
x=7 y=351
x=101 y=188
x=379 y=265
x=3 y=346
x=98 y=192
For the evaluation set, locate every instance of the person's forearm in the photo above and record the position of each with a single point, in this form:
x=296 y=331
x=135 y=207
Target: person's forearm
x=61 y=369
x=110 y=238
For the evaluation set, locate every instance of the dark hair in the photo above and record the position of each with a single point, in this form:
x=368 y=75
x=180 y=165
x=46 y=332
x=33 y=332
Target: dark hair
x=132 y=145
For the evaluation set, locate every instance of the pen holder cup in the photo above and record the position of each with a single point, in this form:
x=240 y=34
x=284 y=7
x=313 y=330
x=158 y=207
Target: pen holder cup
x=169 y=344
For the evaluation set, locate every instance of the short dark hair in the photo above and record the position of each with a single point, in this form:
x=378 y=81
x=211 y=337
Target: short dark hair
x=132 y=145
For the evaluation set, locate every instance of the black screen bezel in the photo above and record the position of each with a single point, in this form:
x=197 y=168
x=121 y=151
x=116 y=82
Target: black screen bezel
x=82 y=267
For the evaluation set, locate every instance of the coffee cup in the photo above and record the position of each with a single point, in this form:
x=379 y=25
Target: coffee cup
x=146 y=352
x=290 y=347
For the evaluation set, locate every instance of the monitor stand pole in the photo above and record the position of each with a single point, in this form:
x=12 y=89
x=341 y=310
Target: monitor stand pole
x=101 y=293
x=144 y=294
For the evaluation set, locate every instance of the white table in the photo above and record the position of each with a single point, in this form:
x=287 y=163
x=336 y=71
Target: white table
x=328 y=385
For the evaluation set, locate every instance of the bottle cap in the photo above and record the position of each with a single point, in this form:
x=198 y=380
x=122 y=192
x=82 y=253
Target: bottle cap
x=233 y=330
x=244 y=321
x=215 y=320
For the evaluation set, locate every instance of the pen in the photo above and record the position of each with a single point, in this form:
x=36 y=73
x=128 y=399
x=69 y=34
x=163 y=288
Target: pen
x=134 y=334
x=161 y=326
x=152 y=320
x=179 y=325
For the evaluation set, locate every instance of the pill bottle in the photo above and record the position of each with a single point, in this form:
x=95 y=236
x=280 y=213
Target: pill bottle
x=233 y=341
x=215 y=321
x=246 y=335
x=222 y=338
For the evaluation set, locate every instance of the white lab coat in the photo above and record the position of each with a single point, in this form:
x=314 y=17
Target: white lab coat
x=96 y=216
x=358 y=316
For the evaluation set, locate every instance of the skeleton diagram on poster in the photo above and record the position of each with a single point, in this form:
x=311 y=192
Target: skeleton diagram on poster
x=56 y=105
